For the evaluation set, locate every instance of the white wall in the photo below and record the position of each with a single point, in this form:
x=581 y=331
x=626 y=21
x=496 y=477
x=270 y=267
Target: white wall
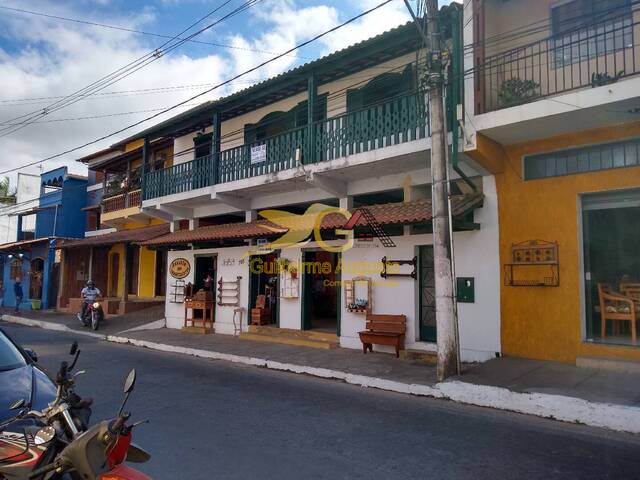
x=476 y=256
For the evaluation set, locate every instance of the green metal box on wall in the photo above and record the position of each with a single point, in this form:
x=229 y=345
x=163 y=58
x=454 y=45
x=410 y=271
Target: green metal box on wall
x=465 y=289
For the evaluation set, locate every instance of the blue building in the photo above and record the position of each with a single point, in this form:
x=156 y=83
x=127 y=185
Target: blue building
x=32 y=257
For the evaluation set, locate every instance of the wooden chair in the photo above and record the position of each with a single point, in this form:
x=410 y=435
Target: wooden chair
x=384 y=330
x=261 y=314
x=616 y=307
x=631 y=290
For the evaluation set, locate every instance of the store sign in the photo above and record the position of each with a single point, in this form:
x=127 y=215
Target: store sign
x=258 y=154
x=179 y=268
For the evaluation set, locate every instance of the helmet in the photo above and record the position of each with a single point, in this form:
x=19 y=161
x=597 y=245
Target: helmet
x=90 y=284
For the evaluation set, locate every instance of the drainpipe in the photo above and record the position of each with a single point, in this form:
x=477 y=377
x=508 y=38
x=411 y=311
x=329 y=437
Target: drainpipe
x=455 y=84
x=55 y=221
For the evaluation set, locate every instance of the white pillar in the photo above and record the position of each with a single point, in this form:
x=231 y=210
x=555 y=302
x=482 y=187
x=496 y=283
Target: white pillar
x=346 y=203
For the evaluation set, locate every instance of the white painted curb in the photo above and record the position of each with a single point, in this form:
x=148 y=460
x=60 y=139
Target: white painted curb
x=568 y=409
x=30 y=322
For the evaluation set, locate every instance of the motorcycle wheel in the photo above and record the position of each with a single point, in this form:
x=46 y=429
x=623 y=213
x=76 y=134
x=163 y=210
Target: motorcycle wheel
x=95 y=320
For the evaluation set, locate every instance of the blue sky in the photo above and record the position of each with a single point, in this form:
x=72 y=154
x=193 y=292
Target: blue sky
x=43 y=57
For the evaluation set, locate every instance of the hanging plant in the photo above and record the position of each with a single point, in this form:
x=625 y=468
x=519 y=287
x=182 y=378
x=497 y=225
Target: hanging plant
x=516 y=91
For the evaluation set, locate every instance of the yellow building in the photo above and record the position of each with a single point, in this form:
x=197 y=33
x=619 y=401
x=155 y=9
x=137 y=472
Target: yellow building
x=130 y=276
x=553 y=114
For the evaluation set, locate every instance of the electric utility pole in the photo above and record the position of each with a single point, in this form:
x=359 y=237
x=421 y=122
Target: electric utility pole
x=447 y=337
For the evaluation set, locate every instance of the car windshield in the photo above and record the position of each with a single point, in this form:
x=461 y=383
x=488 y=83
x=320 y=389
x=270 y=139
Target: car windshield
x=10 y=356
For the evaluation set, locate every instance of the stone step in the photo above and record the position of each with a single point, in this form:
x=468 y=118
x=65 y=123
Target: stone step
x=613 y=365
x=419 y=356
x=322 y=340
x=199 y=330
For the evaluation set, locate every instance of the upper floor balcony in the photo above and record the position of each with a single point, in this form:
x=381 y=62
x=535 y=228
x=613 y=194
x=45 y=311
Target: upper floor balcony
x=574 y=70
x=397 y=121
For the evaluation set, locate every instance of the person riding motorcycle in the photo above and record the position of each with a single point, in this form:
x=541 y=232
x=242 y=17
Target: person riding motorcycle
x=89 y=295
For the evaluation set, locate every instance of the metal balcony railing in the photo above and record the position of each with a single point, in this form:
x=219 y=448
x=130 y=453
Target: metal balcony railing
x=591 y=56
x=398 y=120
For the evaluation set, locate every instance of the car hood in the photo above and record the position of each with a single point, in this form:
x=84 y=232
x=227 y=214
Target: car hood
x=27 y=382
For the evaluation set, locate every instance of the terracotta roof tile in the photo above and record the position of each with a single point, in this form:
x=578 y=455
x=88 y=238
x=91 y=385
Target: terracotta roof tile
x=418 y=211
x=136 y=235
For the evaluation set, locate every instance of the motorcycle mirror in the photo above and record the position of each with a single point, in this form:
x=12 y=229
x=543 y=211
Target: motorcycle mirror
x=17 y=404
x=44 y=435
x=74 y=348
x=130 y=382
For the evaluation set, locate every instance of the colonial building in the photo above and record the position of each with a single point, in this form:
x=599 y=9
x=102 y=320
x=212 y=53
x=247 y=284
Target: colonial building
x=131 y=277
x=31 y=255
x=304 y=201
x=552 y=111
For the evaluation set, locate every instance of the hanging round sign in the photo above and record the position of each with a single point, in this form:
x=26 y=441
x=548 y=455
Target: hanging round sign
x=179 y=268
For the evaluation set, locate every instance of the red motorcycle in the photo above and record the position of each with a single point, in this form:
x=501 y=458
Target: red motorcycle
x=58 y=450
x=93 y=315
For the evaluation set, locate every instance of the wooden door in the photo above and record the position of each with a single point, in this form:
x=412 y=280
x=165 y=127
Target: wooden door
x=161 y=273
x=133 y=264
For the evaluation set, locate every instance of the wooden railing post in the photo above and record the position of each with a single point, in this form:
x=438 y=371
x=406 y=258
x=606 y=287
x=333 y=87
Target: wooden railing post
x=312 y=94
x=146 y=153
x=215 y=146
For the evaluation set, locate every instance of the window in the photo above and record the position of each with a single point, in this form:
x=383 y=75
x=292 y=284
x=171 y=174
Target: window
x=16 y=268
x=583 y=29
x=582 y=160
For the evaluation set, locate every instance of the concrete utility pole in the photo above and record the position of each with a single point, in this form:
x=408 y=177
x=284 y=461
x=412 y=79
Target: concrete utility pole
x=445 y=307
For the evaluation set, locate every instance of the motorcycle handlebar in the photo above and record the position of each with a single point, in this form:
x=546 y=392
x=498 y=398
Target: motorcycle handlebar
x=42 y=470
x=62 y=373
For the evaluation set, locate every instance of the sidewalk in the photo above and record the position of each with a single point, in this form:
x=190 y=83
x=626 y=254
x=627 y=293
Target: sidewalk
x=547 y=389
x=68 y=321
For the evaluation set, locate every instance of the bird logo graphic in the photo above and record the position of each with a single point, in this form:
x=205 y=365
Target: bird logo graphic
x=300 y=229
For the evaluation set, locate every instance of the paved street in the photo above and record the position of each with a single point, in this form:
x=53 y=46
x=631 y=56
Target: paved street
x=213 y=420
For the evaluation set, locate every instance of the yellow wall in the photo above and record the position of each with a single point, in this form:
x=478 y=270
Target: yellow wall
x=147 y=273
x=545 y=322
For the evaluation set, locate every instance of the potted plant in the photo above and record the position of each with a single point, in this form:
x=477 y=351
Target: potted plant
x=516 y=91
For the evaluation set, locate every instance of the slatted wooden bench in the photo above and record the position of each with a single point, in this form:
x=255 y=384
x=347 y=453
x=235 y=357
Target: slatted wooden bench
x=384 y=330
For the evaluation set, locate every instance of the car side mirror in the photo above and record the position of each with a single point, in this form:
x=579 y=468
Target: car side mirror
x=32 y=355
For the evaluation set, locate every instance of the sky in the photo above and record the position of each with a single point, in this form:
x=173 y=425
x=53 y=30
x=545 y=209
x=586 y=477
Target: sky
x=43 y=59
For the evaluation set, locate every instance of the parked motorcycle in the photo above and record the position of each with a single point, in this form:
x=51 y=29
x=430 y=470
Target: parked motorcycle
x=55 y=443
x=93 y=315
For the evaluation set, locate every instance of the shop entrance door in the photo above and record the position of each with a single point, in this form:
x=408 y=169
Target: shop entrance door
x=205 y=273
x=264 y=279
x=610 y=237
x=321 y=291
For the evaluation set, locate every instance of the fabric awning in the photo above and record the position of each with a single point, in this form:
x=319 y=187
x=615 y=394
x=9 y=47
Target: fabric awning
x=403 y=213
x=136 y=235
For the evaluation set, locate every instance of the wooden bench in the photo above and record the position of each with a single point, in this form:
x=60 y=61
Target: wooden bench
x=384 y=330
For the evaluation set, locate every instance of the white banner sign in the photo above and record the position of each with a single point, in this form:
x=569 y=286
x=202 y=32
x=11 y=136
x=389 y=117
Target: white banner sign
x=258 y=154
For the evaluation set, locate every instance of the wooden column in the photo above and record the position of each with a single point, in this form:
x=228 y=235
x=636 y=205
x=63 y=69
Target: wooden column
x=146 y=164
x=125 y=274
x=61 y=278
x=312 y=94
x=215 y=146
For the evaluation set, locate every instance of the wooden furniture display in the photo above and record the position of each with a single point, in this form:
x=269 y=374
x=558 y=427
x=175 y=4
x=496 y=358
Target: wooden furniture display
x=177 y=294
x=237 y=324
x=534 y=263
x=261 y=314
x=630 y=290
x=616 y=307
x=229 y=292
x=384 y=330
x=391 y=263
x=353 y=302
x=201 y=302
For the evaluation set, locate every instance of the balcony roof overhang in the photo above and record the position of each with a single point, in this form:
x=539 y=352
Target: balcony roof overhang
x=135 y=236
x=402 y=213
x=391 y=44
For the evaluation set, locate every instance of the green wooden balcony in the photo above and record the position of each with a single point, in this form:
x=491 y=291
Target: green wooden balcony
x=399 y=120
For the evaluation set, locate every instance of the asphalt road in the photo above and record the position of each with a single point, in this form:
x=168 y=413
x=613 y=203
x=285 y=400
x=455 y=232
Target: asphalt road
x=214 y=420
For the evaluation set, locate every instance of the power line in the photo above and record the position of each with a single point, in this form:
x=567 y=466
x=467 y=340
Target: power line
x=251 y=70
x=140 y=32
x=132 y=67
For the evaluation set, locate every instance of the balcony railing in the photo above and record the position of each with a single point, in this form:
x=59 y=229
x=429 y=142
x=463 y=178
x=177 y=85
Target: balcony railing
x=396 y=121
x=120 y=202
x=591 y=56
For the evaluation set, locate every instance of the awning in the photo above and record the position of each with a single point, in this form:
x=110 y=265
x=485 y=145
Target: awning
x=15 y=246
x=90 y=207
x=403 y=213
x=136 y=235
